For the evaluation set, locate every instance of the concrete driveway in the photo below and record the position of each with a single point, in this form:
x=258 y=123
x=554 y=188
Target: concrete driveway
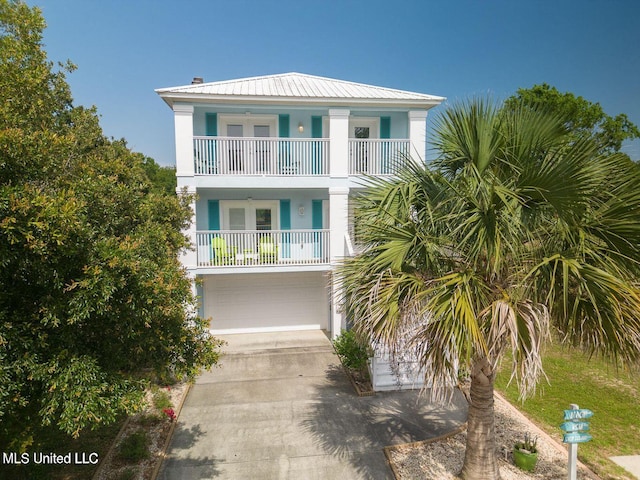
x=280 y=407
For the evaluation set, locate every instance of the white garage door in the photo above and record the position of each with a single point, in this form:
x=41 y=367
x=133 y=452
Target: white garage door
x=264 y=302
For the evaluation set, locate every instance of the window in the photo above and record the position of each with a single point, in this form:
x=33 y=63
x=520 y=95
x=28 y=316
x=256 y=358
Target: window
x=361 y=132
x=263 y=219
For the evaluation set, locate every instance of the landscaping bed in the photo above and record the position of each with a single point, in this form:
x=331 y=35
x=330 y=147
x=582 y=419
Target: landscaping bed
x=354 y=355
x=442 y=458
x=139 y=448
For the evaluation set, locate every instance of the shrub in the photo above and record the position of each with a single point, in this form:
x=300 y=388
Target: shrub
x=352 y=350
x=162 y=400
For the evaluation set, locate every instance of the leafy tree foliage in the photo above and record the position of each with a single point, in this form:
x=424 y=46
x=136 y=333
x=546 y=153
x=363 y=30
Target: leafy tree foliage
x=93 y=301
x=163 y=179
x=579 y=115
x=521 y=226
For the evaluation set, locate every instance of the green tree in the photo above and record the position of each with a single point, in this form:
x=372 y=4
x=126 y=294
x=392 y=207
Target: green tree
x=163 y=179
x=93 y=299
x=580 y=115
x=521 y=225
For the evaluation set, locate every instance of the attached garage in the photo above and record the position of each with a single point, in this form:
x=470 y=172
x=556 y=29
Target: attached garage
x=266 y=302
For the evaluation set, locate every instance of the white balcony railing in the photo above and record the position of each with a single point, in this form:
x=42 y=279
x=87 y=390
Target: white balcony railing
x=261 y=156
x=232 y=248
x=376 y=156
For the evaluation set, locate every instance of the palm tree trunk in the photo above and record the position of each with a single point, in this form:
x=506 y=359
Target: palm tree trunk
x=481 y=460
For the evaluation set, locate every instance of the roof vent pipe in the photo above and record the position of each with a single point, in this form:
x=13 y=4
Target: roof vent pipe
x=197 y=80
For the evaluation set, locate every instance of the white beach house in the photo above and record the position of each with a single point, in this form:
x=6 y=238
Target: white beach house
x=273 y=161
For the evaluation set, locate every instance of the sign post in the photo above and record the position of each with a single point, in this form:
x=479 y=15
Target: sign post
x=575 y=429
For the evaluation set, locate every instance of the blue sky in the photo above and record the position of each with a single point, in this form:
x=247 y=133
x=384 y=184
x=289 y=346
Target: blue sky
x=124 y=49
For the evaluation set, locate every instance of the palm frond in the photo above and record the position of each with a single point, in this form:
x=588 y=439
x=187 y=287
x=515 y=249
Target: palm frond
x=519 y=225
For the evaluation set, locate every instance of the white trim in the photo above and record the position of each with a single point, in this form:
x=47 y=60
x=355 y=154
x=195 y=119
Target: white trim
x=325 y=126
x=183 y=108
x=170 y=98
x=264 y=329
x=339 y=113
x=248 y=121
x=325 y=267
x=339 y=190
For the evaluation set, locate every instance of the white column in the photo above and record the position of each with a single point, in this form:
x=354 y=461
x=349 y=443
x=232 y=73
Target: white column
x=194 y=309
x=418 y=134
x=338 y=143
x=183 y=118
x=189 y=258
x=338 y=224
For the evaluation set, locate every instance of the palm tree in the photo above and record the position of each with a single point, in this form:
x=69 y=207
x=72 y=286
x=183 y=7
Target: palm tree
x=518 y=227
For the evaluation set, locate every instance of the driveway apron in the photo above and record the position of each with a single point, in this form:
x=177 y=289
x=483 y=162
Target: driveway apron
x=280 y=407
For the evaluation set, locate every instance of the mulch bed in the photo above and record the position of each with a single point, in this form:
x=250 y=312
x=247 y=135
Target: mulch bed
x=159 y=429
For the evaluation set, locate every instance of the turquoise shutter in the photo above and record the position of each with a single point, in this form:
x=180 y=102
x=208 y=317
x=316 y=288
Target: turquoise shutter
x=285 y=214
x=316 y=214
x=211 y=126
x=283 y=150
x=214 y=215
x=283 y=125
x=316 y=224
x=211 y=120
x=385 y=132
x=316 y=148
x=316 y=127
x=285 y=224
x=385 y=127
x=214 y=224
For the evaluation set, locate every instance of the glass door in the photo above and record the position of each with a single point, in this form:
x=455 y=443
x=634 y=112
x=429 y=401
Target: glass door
x=237 y=218
x=262 y=149
x=264 y=219
x=361 y=130
x=236 y=155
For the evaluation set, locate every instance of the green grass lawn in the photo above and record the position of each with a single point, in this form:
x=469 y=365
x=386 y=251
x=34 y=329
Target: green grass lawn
x=613 y=395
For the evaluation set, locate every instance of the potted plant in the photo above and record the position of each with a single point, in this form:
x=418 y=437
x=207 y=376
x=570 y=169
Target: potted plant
x=525 y=453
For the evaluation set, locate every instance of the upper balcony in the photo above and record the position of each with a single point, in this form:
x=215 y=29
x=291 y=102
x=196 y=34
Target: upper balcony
x=260 y=156
x=315 y=131
x=265 y=156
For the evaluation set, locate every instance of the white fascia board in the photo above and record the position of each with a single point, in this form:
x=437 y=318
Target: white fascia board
x=171 y=98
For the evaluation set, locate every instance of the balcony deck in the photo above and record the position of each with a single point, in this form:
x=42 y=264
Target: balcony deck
x=374 y=156
x=241 y=250
x=261 y=156
x=287 y=157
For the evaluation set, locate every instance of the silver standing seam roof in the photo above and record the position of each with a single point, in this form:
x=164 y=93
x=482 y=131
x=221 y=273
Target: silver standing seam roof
x=296 y=87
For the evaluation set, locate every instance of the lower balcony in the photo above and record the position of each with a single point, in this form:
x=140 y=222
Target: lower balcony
x=262 y=248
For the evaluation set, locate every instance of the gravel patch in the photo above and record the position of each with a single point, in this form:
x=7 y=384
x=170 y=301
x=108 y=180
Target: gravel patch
x=158 y=432
x=442 y=459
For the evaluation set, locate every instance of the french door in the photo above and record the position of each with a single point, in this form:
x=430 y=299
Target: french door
x=258 y=215
x=250 y=147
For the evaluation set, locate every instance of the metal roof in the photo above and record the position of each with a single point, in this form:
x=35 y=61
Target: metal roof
x=299 y=87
